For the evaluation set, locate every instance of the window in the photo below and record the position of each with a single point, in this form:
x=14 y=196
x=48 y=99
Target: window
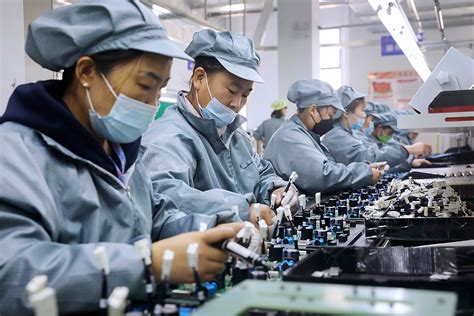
x=330 y=57
x=330 y=36
x=333 y=76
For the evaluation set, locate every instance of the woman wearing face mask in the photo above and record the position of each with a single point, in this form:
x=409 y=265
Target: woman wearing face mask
x=382 y=136
x=345 y=147
x=404 y=137
x=371 y=110
x=197 y=153
x=297 y=146
x=71 y=176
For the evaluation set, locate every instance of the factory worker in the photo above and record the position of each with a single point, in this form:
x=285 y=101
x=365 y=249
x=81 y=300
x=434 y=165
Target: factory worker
x=347 y=148
x=71 y=177
x=197 y=153
x=405 y=137
x=385 y=127
x=297 y=146
x=371 y=110
x=264 y=131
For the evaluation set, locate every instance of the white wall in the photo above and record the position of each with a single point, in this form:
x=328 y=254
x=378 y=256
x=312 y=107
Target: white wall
x=15 y=66
x=258 y=104
x=12 y=60
x=32 y=9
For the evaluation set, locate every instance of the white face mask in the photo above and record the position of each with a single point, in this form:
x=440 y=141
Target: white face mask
x=356 y=122
x=216 y=111
x=127 y=120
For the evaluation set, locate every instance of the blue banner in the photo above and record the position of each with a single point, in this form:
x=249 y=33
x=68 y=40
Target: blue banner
x=389 y=47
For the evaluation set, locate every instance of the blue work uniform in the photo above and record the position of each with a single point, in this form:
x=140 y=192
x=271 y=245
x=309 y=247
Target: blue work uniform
x=201 y=170
x=402 y=167
x=346 y=148
x=294 y=148
x=61 y=196
x=268 y=127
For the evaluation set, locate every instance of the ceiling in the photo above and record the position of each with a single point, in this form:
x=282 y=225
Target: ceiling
x=215 y=13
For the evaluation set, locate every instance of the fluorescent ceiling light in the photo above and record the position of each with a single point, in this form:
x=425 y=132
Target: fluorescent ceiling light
x=158 y=10
x=65 y=2
x=394 y=19
x=233 y=7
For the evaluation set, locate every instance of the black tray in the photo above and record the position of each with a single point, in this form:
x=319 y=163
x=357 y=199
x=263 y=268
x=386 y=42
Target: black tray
x=409 y=267
x=426 y=229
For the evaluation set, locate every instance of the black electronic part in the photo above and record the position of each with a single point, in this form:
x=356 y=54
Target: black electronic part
x=103 y=297
x=336 y=224
x=342 y=210
x=313 y=220
x=291 y=254
x=149 y=287
x=342 y=238
x=319 y=210
x=281 y=232
x=298 y=220
x=364 y=196
x=239 y=275
x=258 y=275
x=344 y=195
x=307 y=233
x=332 y=242
x=353 y=202
x=325 y=222
x=331 y=202
x=330 y=211
x=275 y=252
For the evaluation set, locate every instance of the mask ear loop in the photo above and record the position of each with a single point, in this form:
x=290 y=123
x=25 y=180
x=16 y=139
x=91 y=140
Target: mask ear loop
x=319 y=113
x=86 y=88
x=108 y=85
x=319 y=117
x=207 y=84
x=196 y=94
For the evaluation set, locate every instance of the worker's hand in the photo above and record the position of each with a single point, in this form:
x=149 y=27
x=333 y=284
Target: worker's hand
x=419 y=149
x=378 y=165
x=266 y=213
x=291 y=197
x=376 y=175
x=237 y=226
x=419 y=162
x=211 y=260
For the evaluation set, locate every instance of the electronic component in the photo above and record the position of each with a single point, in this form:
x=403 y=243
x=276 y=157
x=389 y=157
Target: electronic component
x=103 y=263
x=432 y=212
x=117 y=301
x=41 y=297
x=143 y=247
x=240 y=252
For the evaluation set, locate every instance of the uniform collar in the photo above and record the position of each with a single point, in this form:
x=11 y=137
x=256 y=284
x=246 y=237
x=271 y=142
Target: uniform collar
x=66 y=152
x=207 y=127
x=296 y=119
x=339 y=124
